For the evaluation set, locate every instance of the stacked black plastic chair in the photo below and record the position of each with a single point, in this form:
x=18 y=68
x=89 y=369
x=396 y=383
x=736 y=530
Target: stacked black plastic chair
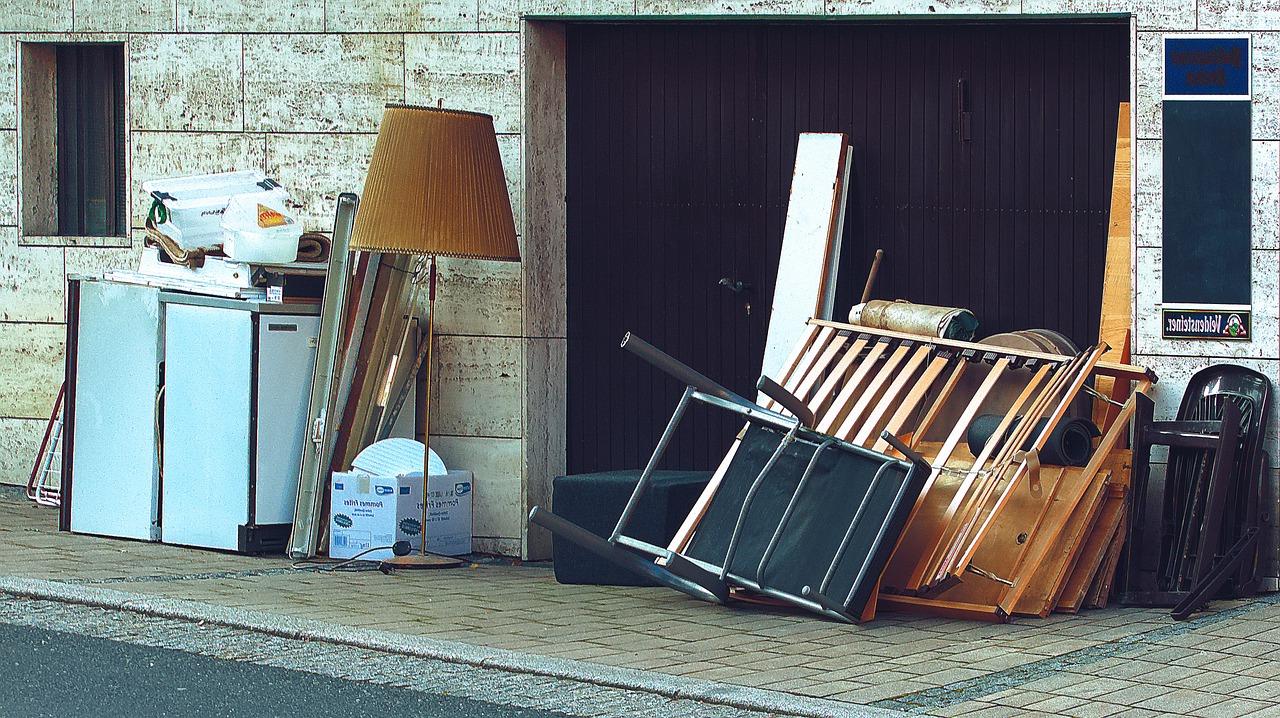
x=1203 y=544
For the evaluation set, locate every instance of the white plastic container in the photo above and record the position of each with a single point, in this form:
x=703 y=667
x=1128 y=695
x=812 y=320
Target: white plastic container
x=259 y=229
x=194 y=205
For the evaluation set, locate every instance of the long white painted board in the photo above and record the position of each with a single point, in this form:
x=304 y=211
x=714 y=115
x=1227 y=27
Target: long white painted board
x=810 y=243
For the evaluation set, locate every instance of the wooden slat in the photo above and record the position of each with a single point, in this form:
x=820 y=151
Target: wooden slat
x=873 y=391
x=963 y=497
x=944 y=394
x=917 y=394
x=890 y=397
x=818 y=371
x=1094 y=551
x=802 y=367
x=1125 y=371
x=840 y=405
x=840 y=373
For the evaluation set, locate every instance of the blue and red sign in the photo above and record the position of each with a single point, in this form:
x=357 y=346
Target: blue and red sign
x=1208 y=67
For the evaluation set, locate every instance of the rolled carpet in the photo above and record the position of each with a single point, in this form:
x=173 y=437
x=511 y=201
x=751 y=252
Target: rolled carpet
x=313 y=247
x=1070 y=444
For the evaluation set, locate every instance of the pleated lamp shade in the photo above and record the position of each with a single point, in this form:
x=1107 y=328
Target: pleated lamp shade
x=436 y=187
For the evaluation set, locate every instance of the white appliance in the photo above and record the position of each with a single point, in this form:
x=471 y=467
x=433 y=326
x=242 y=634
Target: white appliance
x=236 y=380
x=223 y=381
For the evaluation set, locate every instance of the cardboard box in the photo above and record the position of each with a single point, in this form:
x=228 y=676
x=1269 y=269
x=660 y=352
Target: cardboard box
x=376 y=511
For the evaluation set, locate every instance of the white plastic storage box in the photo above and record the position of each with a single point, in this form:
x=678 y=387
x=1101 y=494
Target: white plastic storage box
x=193 y=207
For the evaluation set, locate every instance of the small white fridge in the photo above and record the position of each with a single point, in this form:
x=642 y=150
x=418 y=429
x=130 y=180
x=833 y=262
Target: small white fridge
x=237 y=377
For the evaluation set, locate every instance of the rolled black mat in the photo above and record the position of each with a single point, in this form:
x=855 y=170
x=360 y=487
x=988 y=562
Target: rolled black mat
x=1070 y=444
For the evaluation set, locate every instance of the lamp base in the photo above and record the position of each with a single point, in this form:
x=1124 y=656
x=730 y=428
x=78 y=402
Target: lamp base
x=423 y=561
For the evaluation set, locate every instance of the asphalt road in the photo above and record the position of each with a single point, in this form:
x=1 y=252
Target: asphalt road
x=50 y=673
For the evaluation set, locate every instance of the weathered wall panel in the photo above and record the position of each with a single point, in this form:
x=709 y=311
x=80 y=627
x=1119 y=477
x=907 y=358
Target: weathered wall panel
x=124 y=16
x=30 y=281
x=186 y=82
x=321 y=83
x=37 y=16
x=32 y=357
x=476 y=71
x=476 y=386
x=400 y=16
x=315 y=185
x=250 y=16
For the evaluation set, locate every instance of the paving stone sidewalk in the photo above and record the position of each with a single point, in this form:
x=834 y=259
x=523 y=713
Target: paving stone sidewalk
x=1122 y=662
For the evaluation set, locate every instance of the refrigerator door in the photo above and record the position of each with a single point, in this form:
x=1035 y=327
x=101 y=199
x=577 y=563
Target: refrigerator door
x=207 y=410
x=114 y=468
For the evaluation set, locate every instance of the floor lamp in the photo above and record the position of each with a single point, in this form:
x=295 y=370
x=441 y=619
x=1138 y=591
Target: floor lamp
x=435 y=188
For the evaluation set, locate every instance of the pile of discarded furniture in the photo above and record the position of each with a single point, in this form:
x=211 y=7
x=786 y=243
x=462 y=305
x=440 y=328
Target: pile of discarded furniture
x=917 y=473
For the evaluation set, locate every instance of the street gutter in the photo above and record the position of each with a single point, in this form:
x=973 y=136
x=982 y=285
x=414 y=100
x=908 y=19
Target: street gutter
x=674 y=687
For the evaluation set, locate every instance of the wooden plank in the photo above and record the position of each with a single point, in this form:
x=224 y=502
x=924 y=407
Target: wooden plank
x=1100 y=589
x=1049 y=576
x=1103 y=449
x=975 y=516
x=690 y=523
x=998 y=553
x=944 y=609
x=1094 y=551
x=890 y=397
x=1117 y=284
x=1124 y=371
x=847 y=394
x=963 y=497
x=1100 y=457
x=873 y=391
x=809 y=241
x=917 y=394
x=929 y=535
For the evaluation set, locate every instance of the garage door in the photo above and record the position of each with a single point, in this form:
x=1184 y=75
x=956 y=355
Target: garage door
x=983 y=157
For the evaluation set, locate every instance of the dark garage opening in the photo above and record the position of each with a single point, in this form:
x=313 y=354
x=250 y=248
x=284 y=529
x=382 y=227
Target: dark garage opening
x=983 y=160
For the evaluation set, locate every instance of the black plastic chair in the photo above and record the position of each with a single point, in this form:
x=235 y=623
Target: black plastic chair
x=1204 y=543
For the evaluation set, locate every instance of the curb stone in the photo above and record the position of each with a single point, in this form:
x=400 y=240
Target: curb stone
x=676 y=687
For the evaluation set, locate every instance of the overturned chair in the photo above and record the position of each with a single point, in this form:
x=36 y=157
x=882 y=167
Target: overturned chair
x=797 y=515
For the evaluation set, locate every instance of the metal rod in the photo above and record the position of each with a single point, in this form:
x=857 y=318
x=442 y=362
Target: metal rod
x=853 y=525
x=751 y=493
x=649 y=468
x=678 y=369
x=791 y=506
x=426 y=405
x=304 y=536
x=884 y=526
